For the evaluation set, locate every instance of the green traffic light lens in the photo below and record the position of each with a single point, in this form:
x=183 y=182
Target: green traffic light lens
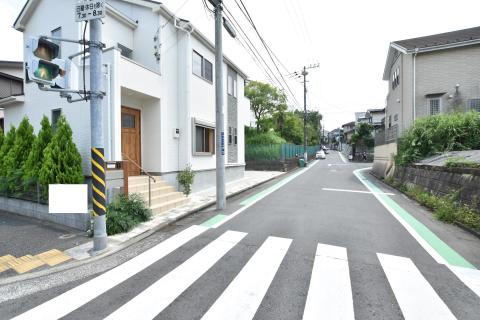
x=46 y=71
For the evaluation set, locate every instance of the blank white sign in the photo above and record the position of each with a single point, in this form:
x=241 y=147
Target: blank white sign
x=67 y=198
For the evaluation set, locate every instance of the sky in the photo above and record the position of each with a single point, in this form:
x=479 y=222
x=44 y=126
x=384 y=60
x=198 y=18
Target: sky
x=349 y=40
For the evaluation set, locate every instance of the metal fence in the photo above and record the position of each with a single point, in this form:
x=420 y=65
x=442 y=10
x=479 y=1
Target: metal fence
x=30 y=190
x=276 y=151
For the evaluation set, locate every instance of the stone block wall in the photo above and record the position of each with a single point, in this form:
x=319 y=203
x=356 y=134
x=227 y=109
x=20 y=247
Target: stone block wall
x=443 y=181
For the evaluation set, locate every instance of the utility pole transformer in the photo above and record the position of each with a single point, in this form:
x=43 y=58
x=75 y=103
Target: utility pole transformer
x=219 y=119
x=97 y=142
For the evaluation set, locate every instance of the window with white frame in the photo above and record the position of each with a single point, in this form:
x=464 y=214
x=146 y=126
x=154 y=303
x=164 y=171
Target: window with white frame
x=56 y=113
x=396 y=78
x=231 y=86
x=235 y=139
x=204 y=139
x=474 y=104
x=202 y=67
x=434 y=106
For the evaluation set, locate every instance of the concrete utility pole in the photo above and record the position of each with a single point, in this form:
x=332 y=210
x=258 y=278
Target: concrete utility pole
x=97 y=147
x=305 y=154
x=219 y=132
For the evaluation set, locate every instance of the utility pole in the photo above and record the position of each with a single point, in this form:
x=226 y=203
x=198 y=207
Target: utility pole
x=97 y=144
x=304 y=74
x=305 y=154
x=219 y=119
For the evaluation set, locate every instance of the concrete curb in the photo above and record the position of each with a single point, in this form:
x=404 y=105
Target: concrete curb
x=105 y=253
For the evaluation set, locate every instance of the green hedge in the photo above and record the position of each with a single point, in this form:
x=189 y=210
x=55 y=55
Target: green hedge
x=437 y=134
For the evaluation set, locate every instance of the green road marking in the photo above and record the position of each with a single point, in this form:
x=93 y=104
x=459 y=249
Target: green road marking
x=213 y=220
x=443 y=249
x=262 y=194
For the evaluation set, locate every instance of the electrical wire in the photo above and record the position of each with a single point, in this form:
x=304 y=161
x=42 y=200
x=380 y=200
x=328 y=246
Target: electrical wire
x=267 y=48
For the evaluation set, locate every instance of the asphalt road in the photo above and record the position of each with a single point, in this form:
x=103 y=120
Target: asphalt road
x=316 y=244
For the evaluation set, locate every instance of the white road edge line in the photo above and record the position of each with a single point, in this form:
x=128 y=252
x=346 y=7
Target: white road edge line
x=342 y=157
x=425 y=245
x=153 y=300
x=330 y=292
x=73 y=299
x=283 y=182
x=243 y=296
x=357 y=191
x=415 y=296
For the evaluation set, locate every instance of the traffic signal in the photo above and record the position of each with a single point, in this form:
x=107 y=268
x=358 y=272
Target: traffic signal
x=42 y=64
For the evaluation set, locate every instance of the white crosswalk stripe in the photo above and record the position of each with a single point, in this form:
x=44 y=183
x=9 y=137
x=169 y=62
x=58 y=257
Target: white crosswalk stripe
x=243 y=296
x=330 y=292
x=416 y=297
x=149 y=303
x=75 y=298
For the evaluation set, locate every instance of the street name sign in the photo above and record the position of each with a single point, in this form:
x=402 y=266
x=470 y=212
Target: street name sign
x=89 y=9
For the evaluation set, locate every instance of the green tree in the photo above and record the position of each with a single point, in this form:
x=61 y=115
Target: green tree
x=293 y=128
x=62 y=162
x=36 y=156
x=1 y=138
x=6 y=146
x=264 y=100
x=18 y=154
x=363 y=135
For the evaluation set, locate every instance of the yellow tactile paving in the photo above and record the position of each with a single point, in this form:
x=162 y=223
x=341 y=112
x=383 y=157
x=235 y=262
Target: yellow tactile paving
x=53 y=257
x=3 y=262
x=25 y=263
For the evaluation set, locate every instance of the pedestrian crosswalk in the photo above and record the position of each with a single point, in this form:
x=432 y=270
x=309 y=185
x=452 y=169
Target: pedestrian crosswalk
x=329 y=294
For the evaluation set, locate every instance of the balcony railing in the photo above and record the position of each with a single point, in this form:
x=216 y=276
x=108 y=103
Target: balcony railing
x=10 y=86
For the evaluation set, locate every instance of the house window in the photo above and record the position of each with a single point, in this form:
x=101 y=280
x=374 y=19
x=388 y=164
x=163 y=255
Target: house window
x=128 y=121
x=124 y=51
x=57 y=33
x=236 y=137
x=202 y=67
x=230 y=135
x=390 y=121
x=396 y=78
x=232 y=86
x=56 y=113
x=434 y=106
x=204 y=140
x=395 y=117
x=474 y=104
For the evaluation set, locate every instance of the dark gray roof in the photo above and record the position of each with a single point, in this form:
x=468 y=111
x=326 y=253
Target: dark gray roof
x=441 y=39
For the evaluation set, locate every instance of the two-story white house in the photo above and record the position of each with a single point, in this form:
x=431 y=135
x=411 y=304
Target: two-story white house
x=158 y=75
x=430 y=75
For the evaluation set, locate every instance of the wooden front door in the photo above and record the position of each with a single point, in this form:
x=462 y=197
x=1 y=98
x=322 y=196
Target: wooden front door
x=131 y=140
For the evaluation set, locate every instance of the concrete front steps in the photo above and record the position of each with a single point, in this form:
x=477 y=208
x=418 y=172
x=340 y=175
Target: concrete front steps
x=164 y=196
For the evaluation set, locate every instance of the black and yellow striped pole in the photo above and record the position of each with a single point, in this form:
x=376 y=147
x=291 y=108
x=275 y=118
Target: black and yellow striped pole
x=99 y=200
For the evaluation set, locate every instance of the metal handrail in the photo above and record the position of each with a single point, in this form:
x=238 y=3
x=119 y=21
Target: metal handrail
x=138 y=166
x=150 y=177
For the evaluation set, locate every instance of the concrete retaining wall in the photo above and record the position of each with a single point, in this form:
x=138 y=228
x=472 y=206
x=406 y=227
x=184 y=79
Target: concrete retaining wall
x=443 y=181
x=274 y=165
x=79 y=221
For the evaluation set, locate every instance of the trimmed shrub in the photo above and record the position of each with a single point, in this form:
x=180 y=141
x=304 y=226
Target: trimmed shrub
x=62 y=162
x=125 y=212
x=265 y=138
x=18 y=154
x=35 y=158
x=185 y=179
x=6 y=146
x=437 y=134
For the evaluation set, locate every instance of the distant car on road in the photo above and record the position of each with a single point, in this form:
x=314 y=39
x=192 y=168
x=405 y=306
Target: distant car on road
x=320 y=155
x=325 y=149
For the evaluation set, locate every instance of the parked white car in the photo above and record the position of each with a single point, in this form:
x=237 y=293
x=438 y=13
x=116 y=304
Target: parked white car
x=320 y=155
